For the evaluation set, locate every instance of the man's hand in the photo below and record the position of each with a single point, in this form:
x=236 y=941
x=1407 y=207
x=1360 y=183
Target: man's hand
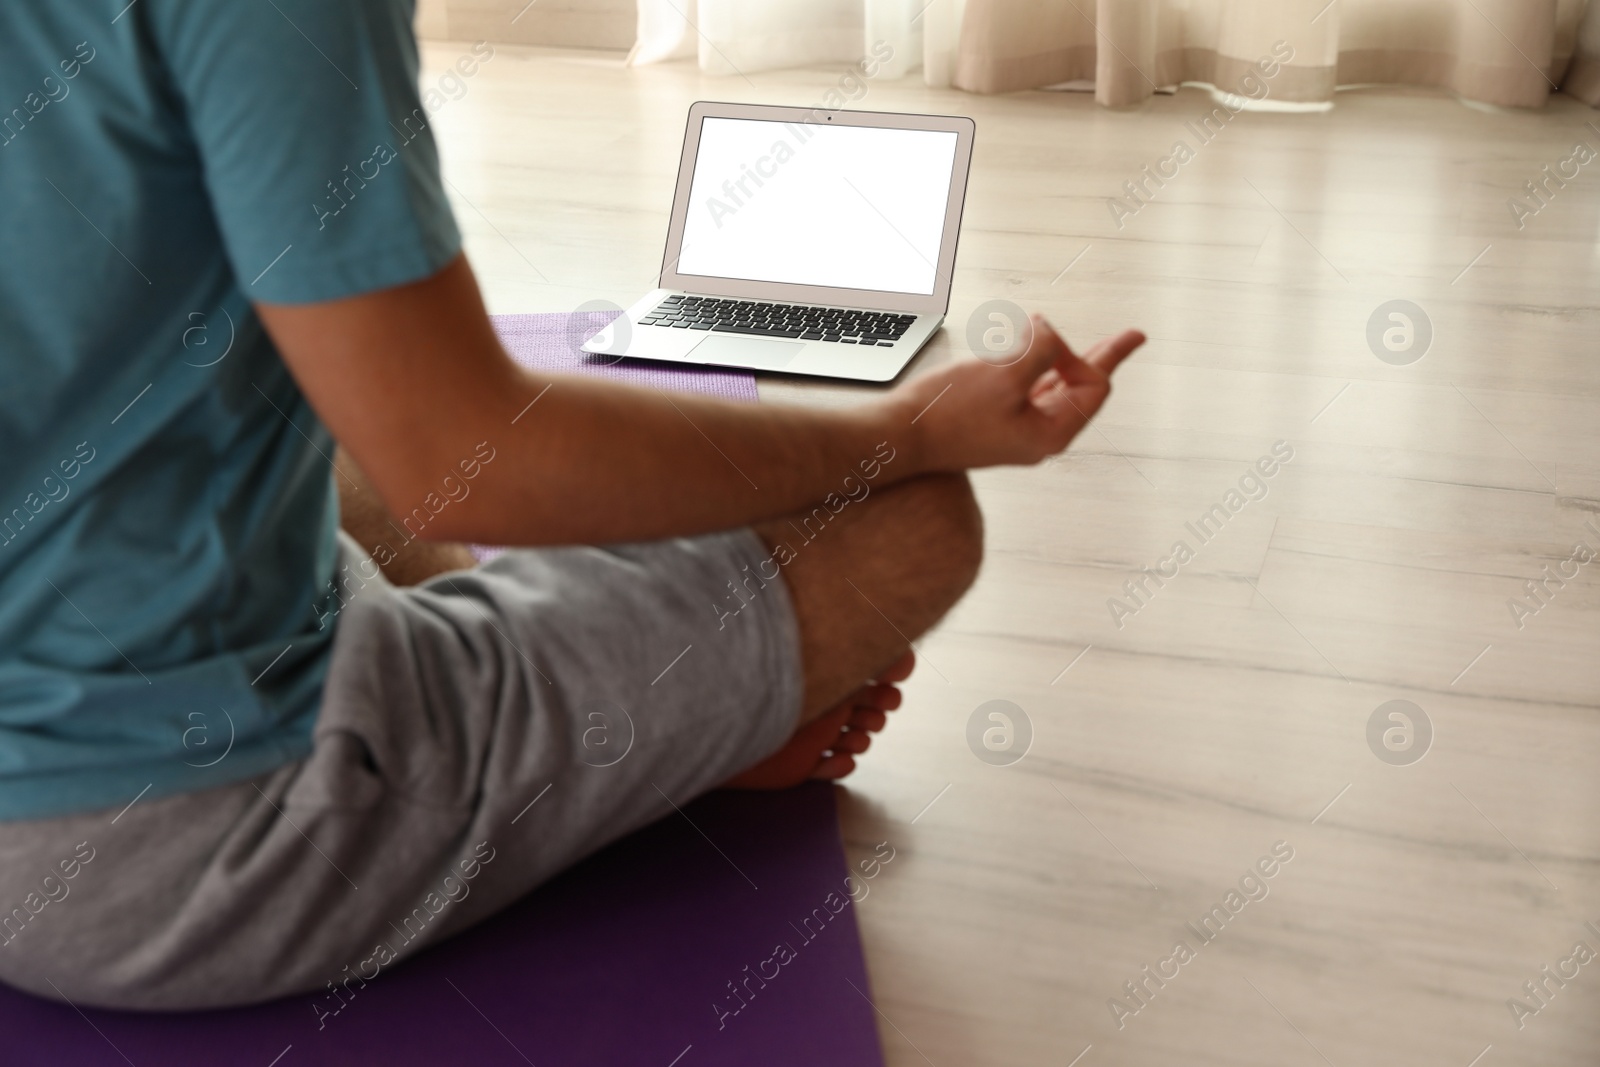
x=977 y=414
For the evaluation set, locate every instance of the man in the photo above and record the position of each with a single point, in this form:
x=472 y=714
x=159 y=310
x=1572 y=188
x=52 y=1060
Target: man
x=245 y=757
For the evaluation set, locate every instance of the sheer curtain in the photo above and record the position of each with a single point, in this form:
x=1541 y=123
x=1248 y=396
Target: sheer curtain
x=1508 y=52
x=745 y=36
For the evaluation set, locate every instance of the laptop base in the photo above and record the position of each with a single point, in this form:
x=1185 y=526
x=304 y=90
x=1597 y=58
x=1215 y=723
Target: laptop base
x=628 y=337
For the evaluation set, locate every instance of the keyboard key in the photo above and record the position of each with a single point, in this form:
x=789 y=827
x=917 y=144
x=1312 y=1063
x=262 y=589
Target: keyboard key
x=811 y=335
x=757 y=331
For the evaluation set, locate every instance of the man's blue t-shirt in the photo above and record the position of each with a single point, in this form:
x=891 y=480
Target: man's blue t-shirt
x=167 y=509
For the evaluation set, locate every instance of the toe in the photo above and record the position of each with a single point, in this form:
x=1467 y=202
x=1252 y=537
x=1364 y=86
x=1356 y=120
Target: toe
x=900 y=669
x=834 y=767
x=882 y=697
x=869 y=719
x=854 y=742
x=820 y=731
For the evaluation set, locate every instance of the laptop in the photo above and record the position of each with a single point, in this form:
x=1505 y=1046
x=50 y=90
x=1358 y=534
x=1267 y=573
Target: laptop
x=804 y=241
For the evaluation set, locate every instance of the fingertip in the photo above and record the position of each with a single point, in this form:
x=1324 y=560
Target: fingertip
x=1117 y=349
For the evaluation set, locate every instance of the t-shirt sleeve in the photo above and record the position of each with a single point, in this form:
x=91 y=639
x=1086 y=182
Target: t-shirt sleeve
x=318 y=155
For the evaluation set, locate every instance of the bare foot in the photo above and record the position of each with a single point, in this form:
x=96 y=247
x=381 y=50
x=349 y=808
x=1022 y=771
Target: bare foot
x=826 y=746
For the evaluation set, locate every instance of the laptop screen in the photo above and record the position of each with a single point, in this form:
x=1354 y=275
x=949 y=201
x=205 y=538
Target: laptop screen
x=850 y=207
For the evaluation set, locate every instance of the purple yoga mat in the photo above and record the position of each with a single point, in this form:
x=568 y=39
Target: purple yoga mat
x=623 y=961
x=553 y=342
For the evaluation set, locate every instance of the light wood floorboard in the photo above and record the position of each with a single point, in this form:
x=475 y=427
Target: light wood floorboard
x=1231 y=711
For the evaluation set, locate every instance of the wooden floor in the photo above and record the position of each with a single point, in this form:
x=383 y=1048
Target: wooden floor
x=1231 y=712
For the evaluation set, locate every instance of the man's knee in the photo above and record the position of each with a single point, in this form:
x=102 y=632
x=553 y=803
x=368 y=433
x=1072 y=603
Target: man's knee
x=898 y=565
x=947 y=529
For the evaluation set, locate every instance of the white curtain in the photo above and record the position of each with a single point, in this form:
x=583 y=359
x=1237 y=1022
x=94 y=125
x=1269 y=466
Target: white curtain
x=1507 y=52
x=735 y=37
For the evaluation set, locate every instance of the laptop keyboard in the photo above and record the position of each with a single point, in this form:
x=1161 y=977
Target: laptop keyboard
x=844 y=325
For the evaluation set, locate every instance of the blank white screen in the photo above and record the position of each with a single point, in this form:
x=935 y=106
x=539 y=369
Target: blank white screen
x=852 y=207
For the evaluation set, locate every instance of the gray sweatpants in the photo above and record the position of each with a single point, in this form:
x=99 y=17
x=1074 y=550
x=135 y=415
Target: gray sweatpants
x=478 y=734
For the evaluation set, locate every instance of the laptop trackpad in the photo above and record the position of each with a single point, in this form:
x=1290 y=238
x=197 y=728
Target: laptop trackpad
x=745 y=352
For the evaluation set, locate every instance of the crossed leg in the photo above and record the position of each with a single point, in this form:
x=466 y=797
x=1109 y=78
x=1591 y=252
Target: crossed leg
x=876 y=578
x=870 y=580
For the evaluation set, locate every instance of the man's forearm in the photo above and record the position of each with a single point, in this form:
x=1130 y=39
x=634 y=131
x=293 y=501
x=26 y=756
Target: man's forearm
x=576 y=460
x=413 y=380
